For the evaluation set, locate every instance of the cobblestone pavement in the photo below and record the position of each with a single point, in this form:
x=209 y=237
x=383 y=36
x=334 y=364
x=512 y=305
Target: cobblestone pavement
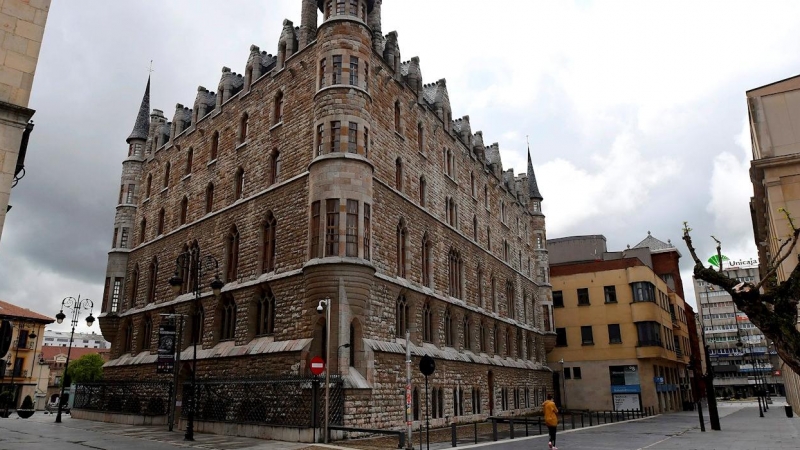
x=742 y=429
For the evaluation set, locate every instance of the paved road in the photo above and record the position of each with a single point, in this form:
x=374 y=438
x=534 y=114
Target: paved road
x=742 y=429
x=41 y=433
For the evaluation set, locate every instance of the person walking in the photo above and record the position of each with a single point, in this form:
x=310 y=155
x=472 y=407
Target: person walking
x=551 y=420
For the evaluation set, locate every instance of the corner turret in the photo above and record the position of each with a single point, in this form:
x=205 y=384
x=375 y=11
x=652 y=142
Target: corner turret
x=142 y=124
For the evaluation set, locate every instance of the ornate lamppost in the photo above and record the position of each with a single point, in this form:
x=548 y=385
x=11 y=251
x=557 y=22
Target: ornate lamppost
x=74 y=304
x=192 y=264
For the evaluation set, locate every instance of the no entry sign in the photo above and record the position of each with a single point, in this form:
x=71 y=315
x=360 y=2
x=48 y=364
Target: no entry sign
x=317 y=365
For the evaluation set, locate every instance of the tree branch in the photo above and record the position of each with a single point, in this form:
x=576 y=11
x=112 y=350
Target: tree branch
x=773 y=268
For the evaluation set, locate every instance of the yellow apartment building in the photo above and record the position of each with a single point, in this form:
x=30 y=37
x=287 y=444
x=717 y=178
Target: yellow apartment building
x=622 y=338
x=774 y=115
x=21 y=338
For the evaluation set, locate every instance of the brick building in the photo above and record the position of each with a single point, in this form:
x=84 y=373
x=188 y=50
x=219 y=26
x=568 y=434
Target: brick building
x=330 y=170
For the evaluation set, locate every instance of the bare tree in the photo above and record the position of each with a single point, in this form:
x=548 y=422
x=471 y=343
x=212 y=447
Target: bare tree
x=772 y=307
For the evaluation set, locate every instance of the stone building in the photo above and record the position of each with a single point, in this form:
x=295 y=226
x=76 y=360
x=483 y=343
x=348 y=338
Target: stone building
x=21 y=36
x=775 y=137
x=331 y=170
x=622 y=334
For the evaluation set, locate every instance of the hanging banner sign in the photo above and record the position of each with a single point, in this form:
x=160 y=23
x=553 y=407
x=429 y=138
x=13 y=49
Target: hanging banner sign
x=166 y=348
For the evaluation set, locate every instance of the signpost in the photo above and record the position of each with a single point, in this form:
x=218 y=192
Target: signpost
x=317 y=365
x=427 y=366
x=166 y=347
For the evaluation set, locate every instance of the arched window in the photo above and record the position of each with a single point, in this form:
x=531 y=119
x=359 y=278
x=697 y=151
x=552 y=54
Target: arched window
x=243 y=128
x=525 y=307
x=401 y=248
x=232 y=255
x=214 y=146
x=127 y=344
x=467 y=333
x=494 y=294
x=449 y=162
x=184 y=210
x=449 y=334
x=415 y=403
x=149 y=185
x=189 y=159
x=472 y=184
x=507 y=342
x=511 y=300
x=480 y=288
x=160 y=222
x=496 y=340
x=482 y=338
x=194 y=254
x=147 y=332
x=488 y=239
x=274 y=166
x=227 y=326
x=427 y=322
x=152 y=281
x=426 y=261
x=209 y=198
x=420 y=138
x=270 y=226
x=134 y=286
x=398 y=174
x=486 y=196
x=435 y=403
x=278 y=109
x=423 y=187
x=397 y=116
x=475 y=228
x=166 y=175
x=518 y=350
x=455 y=270
x=186 y=266
x=451 y=212
x=238 y=184
x=401 y=316
x=142 y=230
x=265 y=313
x=198 y=324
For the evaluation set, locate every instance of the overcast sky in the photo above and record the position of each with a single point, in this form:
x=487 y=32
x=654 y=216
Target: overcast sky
x=635 y=111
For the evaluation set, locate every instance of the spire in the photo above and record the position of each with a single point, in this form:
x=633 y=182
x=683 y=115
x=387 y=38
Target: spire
x=142 y=125
x=533 y=188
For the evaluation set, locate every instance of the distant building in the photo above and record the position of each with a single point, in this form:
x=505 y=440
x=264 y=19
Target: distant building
x=622 y=337
x=21 y=35
x=56 y=358
x=20 y=344
x=81 y=340
x=775 y=137
x=740 y=353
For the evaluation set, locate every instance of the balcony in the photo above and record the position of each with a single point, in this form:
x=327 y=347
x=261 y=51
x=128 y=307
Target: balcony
x=27 y=344
x=20 y=373
x=645 y=312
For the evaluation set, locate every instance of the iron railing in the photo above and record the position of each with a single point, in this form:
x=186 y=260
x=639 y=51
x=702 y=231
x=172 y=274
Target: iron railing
x=288 y=401
x=128 y=397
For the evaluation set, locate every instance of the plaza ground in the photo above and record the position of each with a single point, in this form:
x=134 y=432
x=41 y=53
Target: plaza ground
x=742 y=429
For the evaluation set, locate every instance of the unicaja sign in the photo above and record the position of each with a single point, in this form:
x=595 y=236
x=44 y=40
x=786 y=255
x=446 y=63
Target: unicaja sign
x=733 y=263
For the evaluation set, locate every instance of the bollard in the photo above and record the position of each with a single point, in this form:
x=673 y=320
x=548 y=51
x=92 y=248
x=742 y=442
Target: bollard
x=611 y=413
x=563 y=425
x=590 y=418
x=511 y=427
x=582 y=425
x=700 y=413
x=494 y=429
x=453 y=436
x=475 y=427
x=526 y=427
x=540 y=425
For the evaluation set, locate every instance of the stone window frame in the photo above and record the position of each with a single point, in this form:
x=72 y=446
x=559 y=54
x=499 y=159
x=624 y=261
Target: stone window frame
x=167 y=167
x=238 y=184
x=274 y=166
x=189 y=161
x=184 y=211
x=214 y=150
x=511 y=300
x=402 y=248
x=227 y=312
x=427 y=322
x=268 y=243
x=209 y=197
x=148 y=185
x=265 y=303
x=152 y=280
x=232 y=246
x=134 y=285
x=426 y=261
x=402 y=315
x=277 y=108
x=455 y=274
x=449 y=330
x=398 y=174
x=423 y=191
x=147 y=332
x=161 y=222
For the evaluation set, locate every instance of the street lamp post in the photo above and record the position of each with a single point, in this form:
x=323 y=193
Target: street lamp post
x=74 y=304
x=325 y=304
x=20 y=326
x=563 y=382
x=713 y=413
x=192 y=263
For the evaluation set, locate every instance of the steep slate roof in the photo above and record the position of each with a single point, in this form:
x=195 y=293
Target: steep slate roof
x=656 y=245
x=142 y=125
x=9 y=311
x=533 y=187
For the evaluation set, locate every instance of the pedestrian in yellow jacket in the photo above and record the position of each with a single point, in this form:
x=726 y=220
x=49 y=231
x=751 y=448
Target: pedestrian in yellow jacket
x=551 y=420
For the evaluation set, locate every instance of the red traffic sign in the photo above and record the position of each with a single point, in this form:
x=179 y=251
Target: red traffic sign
x=317 y=365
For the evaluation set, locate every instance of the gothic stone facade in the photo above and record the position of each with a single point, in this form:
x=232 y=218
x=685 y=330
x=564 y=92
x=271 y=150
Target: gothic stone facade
x=331 y=171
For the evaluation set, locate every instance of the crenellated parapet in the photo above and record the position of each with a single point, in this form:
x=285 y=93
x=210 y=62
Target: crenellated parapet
x=288 y=43
x=463 y=131
x=181 y=120
x=204 y=104
x=391 y=53
x=230 y=84
x=258 y=63
x=493 y=160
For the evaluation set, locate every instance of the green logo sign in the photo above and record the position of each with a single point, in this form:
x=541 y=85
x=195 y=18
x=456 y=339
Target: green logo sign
x=715 y=261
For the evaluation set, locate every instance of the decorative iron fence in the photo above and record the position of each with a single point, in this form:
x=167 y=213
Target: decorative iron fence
x=128 y=397
x=289 y=401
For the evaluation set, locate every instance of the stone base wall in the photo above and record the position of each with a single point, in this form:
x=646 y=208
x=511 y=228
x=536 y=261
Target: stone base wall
x=125 y=419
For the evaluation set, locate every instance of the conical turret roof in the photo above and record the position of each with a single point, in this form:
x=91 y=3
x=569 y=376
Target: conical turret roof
x=142 y=125
x=533 y=187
